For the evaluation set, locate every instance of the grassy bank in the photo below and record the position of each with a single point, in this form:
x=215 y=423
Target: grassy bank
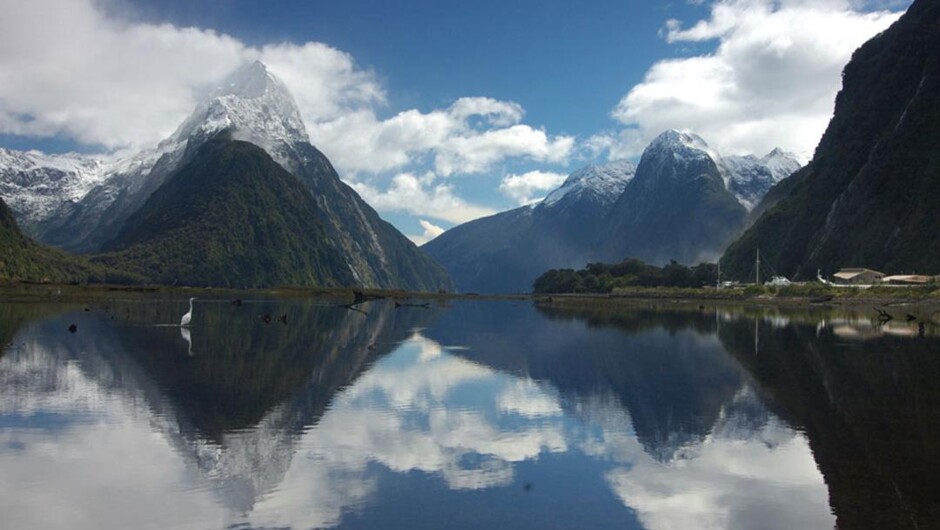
x=22 y=291
x=814 y=293
x=797 y=294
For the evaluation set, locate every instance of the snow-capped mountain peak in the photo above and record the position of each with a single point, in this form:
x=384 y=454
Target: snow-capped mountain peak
x=781 y=163
x=749 y=178
x=251 y=104
x=255 y=106
x=606 y=182
x=674 y=158
x=34 y=183
x=249 y=81
x=682 y=145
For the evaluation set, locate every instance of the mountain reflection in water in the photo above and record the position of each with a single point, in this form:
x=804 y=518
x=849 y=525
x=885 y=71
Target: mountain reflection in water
x=484 y=414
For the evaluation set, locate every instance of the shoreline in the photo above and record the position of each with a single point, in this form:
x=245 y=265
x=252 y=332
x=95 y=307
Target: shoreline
x=44 y=292
x=815 y=297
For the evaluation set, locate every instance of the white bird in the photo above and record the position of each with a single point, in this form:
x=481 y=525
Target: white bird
x=188 y=337
x=188 y=317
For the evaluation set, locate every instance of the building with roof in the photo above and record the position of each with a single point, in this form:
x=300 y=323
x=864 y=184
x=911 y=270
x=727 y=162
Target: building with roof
x=907 y=279
x=856 y=276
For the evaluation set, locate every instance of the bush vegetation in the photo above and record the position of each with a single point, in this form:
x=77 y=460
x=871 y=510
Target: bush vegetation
x=604 y=278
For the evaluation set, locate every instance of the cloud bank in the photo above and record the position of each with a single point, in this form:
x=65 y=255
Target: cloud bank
x=530 y=187
x=409 y=193
x=770 y=82
x=69 y=69
x=469 y=137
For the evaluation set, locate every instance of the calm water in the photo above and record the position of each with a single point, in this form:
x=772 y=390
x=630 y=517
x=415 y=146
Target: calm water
x=465 y=415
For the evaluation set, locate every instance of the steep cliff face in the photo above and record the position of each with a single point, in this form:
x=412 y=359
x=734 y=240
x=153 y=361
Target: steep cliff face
x=871 y=194
x=377 y=253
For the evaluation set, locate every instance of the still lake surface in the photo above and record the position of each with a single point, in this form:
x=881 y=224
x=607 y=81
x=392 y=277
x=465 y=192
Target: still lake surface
x=469 y=414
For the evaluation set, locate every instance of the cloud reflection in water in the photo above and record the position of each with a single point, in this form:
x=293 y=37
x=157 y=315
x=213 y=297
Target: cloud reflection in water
x=420 y=409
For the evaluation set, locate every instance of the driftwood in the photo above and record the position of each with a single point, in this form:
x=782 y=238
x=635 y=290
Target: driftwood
x=884 y=316
x=359 y=298
x=426 y=305
x=352 y=307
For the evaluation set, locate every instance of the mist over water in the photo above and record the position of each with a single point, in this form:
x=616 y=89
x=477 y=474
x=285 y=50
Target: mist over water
x=477 y=414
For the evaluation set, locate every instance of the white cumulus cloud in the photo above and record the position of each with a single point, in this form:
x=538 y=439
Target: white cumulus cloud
x=530 y=187
x=325 y=82
x=66 y=69
x=409 y=193
x=770 y=82
x=470 y=136
x=69 y=69
x=431 y=231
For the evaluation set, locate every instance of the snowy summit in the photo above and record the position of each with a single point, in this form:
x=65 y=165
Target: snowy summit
x=51 y=191
x=255 y=106
x=606 y=182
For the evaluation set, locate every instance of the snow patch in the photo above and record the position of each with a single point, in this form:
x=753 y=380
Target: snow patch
x=253 y=104
x=750 y=178
x=606 y=182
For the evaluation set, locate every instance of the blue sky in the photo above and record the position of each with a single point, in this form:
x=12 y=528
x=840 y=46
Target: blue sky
x=567 y=63
x=440 y=112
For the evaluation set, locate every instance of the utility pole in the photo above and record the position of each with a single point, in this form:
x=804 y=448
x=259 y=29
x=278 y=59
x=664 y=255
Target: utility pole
x=757 y=269
x=718 y=281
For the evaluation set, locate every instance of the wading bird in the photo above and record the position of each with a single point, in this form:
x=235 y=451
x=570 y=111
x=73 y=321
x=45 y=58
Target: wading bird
x=188 y=317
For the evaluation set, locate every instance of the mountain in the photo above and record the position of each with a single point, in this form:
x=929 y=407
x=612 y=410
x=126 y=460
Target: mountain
x=507 y=251
x=230 y=217
x=22 y=259
x=36 y=184
x=251 y=103
x=253 y=106
x=378 y=254
x=595 y=186
x=121 y=185
x=678 y=207
x=749 y=178
x=870 y=196
x=684 y=202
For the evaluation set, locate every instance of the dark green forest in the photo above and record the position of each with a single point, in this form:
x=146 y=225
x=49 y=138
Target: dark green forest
x=604 y=278
x=24 y=260
x=231 y=217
